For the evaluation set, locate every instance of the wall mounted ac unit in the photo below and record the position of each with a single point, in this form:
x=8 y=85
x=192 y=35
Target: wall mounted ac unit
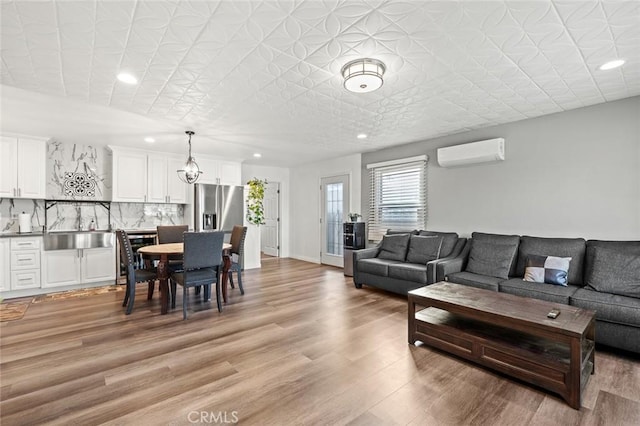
x=472 y=153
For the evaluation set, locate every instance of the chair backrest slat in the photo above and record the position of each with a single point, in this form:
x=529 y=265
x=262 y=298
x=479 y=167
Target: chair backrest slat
x=171 y=233
x=202 y=249
x=126 y=252
x=238 y=235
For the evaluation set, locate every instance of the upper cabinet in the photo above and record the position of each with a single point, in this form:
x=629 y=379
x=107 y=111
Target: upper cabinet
x=22 y=167
x=221 y=172
x=129 y=176
x=146 y=178
x=163 y=183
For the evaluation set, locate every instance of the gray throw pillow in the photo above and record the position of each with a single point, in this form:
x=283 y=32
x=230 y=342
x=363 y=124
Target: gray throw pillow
x=424 y=249
x=615 y=272
x=394 y=247
x=491 y=259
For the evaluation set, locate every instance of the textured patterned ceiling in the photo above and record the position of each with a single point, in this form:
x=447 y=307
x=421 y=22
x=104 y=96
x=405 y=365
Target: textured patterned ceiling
x=265 y=75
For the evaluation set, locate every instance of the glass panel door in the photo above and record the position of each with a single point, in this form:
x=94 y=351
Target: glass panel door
x=335 y=202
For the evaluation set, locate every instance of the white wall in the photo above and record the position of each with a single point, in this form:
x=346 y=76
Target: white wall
x=305 y=201
x=570 y=174
x=281 y=175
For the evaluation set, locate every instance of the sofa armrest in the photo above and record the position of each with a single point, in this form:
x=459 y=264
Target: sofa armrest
x=453 y=264
x=365 y=254
x=432 y=275
x=359 y=255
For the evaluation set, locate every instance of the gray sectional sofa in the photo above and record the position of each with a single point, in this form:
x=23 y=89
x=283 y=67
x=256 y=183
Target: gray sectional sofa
x=603 y=276
x=405 y=260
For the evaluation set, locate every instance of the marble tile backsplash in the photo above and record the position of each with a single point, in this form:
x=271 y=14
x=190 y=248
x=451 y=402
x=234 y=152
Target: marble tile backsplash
x=70 y=216
x=78 y=172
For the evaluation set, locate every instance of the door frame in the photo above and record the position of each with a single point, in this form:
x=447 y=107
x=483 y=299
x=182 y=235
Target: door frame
x=346 y=178
x=278 y=222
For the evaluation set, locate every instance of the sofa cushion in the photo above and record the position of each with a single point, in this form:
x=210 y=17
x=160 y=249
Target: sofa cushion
x=492 y=259
x=631 y=247
x=475 y=280
x=449 y=240
x=375 y=266
x=513 y=240
x=550 y=293
x=394 y=247
x=423 y=249
x=616 y=272
x=609 y=307
x=409 y=272
x=547 y=269
x=559 y=247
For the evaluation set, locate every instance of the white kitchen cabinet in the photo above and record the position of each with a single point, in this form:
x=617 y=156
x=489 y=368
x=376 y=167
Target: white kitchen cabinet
x=22 y=167
x=230 y=173
x=60 y=268
x=157 y=179
x=5 y=264
x=222 y=172
x=164 y=185
x=176 y=189
x=97 y=265
x=24 y=262
x=146 y=178
x=78 y=266
x=129 y=176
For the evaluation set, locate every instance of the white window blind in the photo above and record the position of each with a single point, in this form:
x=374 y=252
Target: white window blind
x=398 y=197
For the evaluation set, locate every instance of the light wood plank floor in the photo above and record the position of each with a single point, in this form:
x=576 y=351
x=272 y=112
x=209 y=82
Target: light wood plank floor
x=302 y=346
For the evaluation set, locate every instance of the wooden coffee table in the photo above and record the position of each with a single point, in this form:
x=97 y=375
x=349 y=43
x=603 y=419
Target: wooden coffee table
x=508 y=333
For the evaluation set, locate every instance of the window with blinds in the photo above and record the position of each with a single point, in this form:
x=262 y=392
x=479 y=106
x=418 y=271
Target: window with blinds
x=398 y=197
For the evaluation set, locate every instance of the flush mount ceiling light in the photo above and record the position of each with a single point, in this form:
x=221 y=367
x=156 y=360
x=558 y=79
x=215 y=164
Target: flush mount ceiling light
x=257 y=155
x=612 y=64
x=190 y=172
x=127 y=78
x=362 y=136
x=363 y=75
x=149 y=140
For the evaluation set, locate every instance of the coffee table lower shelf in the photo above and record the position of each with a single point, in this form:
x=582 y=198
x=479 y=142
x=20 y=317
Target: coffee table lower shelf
x=540 y=361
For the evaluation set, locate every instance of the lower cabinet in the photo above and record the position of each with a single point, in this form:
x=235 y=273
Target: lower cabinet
x=78 y=266
x=25 y=262
x=5 y=264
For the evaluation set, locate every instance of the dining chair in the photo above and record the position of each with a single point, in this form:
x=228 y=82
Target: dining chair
x=134 y=275
x=172 y=234
x=202 y=262
x=238 y=235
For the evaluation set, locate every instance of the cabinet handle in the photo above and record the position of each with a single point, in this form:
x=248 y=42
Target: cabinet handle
x=168 y=198
x=19 y=192
x=15 y=192
x=24 y=279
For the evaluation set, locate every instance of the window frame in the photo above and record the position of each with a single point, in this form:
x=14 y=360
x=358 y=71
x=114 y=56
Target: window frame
x=399 y=199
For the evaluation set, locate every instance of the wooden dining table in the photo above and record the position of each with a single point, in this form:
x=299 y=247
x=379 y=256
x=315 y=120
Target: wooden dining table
x=172 y=251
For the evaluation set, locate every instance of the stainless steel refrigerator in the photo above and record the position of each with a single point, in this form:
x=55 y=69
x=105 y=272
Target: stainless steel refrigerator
x=218 y=207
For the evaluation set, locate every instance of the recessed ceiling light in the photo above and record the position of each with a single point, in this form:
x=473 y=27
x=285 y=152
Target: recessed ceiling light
x=362 y=136
x=127 y=78
x=612 y=64
x=149 y=140
x=257 y=155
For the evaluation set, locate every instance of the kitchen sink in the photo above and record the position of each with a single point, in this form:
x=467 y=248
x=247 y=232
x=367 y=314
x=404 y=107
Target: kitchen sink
x=78 y=240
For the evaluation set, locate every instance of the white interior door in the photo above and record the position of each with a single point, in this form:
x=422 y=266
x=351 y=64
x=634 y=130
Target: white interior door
x=334 y=207
x=270 y=231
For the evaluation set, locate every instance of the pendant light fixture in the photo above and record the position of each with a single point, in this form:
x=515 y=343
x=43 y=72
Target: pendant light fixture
x=190 y=172
x=363 y=75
